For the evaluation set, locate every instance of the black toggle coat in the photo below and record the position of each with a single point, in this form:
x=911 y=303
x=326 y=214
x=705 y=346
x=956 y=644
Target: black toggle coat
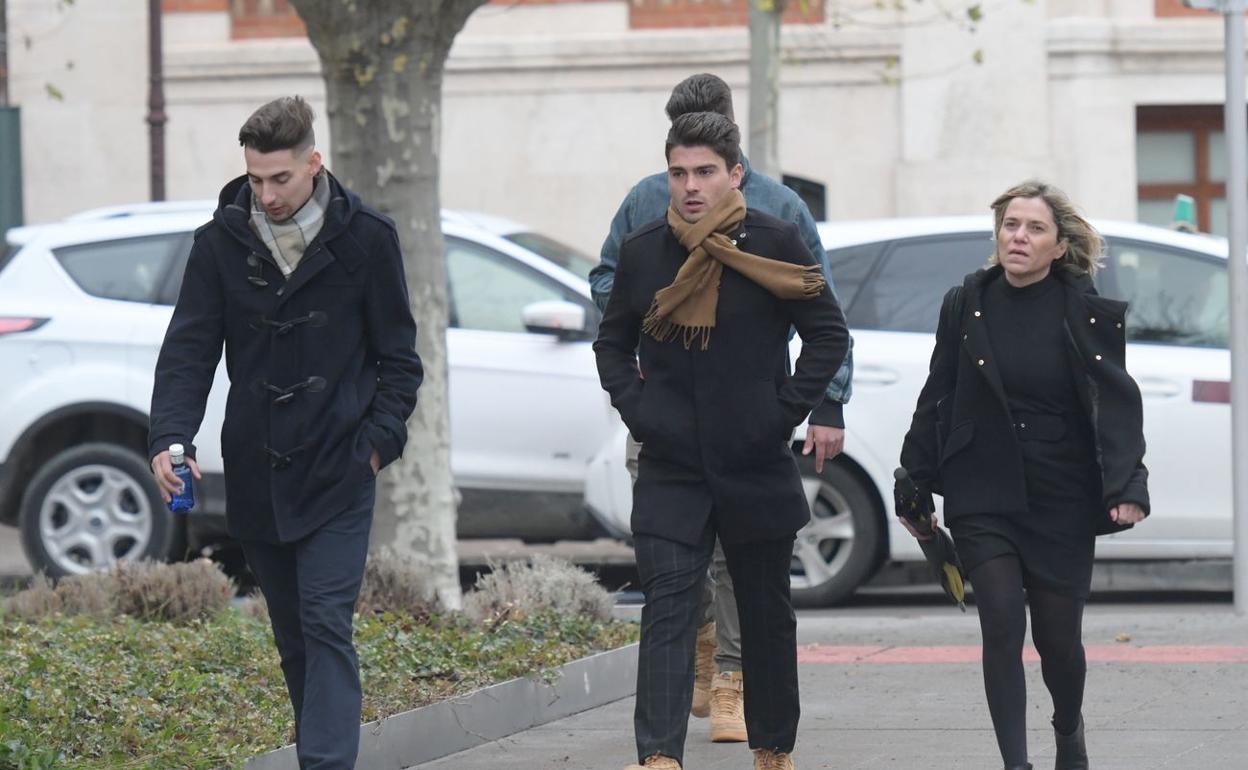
x=322 y=365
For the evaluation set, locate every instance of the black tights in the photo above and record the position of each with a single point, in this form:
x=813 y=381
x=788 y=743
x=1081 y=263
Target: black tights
x=1056 y=630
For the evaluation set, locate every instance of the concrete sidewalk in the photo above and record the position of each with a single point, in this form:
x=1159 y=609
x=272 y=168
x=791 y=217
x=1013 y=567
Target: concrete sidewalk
x=900 y=688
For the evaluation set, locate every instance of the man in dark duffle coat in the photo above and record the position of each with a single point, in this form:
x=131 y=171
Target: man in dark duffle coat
x=304 y=284
x=703 y=301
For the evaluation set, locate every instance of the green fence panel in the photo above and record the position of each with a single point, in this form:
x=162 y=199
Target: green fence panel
x=10 y=168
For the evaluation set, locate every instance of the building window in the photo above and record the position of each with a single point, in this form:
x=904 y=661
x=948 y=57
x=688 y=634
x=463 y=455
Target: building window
x=264 y=18
x=515 y=3
x=1164 y=8
x=194 y=6
x=1181 y=151
x=665 y=14
x=813 y=194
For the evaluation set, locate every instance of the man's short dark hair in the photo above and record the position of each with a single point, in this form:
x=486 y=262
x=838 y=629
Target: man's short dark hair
x=706 y=129
x=700 y=93
x=282 y=124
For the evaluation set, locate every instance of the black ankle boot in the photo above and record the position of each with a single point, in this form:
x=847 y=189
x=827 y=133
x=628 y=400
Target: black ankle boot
x=1019 y=767
x=1072 y=752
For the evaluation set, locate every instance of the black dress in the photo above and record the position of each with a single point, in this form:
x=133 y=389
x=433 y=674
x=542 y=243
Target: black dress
x=1054 y=539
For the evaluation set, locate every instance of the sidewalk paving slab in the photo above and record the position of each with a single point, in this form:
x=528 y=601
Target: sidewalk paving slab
x=1167 y=690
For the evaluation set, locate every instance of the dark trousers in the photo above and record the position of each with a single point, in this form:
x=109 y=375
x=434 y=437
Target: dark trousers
x=311 y=586
x=672 y=575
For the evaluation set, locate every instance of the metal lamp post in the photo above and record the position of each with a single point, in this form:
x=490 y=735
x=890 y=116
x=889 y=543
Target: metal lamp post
x=1237 y=267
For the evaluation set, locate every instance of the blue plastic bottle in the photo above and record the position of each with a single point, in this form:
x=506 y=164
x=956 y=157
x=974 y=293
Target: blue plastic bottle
x=181 y=503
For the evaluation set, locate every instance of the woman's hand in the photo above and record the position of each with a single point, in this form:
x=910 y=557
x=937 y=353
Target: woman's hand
x=910 y=528
x=1126 y=513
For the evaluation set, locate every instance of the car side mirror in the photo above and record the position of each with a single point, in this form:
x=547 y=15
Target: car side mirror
x=565 y=320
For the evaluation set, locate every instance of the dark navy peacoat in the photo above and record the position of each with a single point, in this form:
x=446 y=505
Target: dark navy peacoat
x=715 y=424
x=322 y=365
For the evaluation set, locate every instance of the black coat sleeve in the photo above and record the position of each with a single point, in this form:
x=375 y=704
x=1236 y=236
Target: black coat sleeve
x=1135 y=491
x=188 y=356
x=616 y=346
x=825 y=343
x=920 y=449
x=391 y=335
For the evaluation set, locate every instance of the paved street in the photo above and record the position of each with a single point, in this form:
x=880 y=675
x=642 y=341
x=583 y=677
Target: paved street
x=896 y=685
x=12 y=561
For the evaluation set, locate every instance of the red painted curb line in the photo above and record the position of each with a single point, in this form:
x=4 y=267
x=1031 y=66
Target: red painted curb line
x=1096 y=653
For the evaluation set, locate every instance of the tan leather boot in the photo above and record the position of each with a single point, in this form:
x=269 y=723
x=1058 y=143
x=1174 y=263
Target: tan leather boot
x=703 y=670
x=728 y=708
x=656 y=762
x=766 y=759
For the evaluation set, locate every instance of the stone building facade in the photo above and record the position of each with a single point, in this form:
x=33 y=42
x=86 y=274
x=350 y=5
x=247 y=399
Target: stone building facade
x=554 y=107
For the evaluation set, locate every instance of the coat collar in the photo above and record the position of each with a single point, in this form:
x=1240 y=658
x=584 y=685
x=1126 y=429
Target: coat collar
x=333 y=243
x=1071 y=277
x=973 y=330
x=234 y=210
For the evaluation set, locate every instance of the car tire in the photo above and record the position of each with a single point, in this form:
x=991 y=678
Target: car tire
x=838 y=551
x=89 y=507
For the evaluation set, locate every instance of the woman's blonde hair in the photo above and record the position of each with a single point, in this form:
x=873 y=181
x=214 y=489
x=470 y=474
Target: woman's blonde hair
x=1084 y=245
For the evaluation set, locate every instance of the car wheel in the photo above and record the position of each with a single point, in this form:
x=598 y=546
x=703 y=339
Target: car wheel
x=836 y=552
x=90 y=507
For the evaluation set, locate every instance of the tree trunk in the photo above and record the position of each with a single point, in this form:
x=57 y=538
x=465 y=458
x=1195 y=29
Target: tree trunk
x=764 y=132
x=383 y=62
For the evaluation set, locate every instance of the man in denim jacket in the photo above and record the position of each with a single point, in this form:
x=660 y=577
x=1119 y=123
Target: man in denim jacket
x=719 y=637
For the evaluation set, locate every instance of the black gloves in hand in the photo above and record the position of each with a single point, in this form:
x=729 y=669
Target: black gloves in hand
x=914 y=501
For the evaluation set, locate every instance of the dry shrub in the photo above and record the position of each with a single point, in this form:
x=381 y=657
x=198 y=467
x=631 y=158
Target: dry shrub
x=37 y=601
x=177 y=593
x=395 y=583
x=94 y=595
x=543 y=584
x=256 y=606
x=145 y=590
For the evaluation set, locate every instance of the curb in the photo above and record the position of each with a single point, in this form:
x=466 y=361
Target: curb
x=434 y=731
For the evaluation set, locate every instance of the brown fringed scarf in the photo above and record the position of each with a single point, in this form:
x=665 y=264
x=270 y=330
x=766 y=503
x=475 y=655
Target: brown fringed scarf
x=687 y=307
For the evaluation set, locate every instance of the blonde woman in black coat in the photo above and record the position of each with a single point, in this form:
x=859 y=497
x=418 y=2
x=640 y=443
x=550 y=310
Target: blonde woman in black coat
x=1031 y=429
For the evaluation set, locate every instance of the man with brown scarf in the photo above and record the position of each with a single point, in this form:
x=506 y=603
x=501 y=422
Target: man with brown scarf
x=705 y=298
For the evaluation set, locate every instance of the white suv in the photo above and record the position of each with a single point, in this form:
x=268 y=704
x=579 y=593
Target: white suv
x=84 y=305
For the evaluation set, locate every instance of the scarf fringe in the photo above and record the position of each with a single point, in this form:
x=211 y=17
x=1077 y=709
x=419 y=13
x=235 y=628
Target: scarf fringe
x=665 y=329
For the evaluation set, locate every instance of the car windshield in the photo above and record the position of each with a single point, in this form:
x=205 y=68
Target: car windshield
x=561 y=254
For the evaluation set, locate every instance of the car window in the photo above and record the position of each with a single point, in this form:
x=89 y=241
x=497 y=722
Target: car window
x=489 y=290
x=7 y=250
x=131 y=269
x=1176 y=297
x=177 y=268
x=561 y=254
x=904 y=294
x=850 y=267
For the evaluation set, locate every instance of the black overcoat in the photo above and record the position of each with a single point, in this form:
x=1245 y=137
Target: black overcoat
x=963 y=442
x=322 y=365
x=715 y=424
